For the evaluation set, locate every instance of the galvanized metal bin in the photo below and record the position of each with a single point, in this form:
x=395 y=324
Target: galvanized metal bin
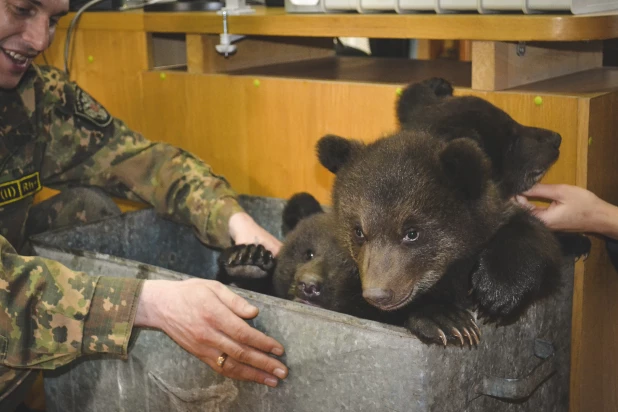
x=337 y=362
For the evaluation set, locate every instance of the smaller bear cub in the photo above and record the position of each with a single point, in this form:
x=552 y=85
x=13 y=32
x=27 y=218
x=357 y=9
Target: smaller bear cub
x=520 y=155
x=311 y=267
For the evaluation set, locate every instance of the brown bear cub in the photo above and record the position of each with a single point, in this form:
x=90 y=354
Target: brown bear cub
x=520 y=155
x=416 y=214
x=311 y=266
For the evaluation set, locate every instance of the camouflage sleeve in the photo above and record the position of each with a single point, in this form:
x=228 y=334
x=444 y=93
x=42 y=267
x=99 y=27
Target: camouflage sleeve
x=90 y=147
x=51 y=314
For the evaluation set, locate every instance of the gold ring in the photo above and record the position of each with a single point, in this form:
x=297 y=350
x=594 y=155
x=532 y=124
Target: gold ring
x=221 y=359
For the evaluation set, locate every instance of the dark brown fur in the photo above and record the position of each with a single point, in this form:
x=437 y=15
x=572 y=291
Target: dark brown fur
x=406 y=184
x=311 y=267
x=520 y=155
x=424 y=222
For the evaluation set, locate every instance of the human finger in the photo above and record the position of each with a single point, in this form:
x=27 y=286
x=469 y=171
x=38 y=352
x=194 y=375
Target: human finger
x=238 y=329
x=236 y=303
x=234 y=369
x=545 y=191
x=241 y=332
x=248 y=355
x=523 y=201
x=273 y=244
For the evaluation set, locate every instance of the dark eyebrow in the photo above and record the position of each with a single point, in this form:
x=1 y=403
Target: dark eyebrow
x=39 y=4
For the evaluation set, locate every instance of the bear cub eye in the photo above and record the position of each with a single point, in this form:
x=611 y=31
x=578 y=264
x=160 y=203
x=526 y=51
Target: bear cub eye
x=359 y=235
x=309 y=254
x=411 y=236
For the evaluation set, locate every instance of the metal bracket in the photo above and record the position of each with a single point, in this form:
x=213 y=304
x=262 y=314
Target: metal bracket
x=521 y=48
x=225 y=45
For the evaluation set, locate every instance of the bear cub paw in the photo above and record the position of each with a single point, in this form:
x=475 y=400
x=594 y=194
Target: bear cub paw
x=246 y=262
x=444 y=324
x=574 y=245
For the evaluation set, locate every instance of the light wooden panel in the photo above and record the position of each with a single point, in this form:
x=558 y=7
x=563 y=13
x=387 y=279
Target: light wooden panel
x=465 y=50
x=253 y=51
x=595 y=308
x=589 y=83
x=262 y=137
x=497 y=66
x=276 y=22
x=367 y=69
x=428 y=49
x=108 y=65
x=577 y=344
x=130 y=20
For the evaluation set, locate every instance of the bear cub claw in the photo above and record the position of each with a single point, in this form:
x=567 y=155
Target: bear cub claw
x=496 y=302
x=574 y=245
x=444 y=324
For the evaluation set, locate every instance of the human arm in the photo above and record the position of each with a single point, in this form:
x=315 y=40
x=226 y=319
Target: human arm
x=88 y=147
x=573 y=209
x=52 y=315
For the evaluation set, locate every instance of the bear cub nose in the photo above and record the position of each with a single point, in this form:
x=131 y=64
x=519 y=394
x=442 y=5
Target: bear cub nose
x=378 y=296
x=309 y=287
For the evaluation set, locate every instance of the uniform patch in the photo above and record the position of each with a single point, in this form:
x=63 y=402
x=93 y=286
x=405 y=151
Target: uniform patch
x=18 y=189
x=88 y=108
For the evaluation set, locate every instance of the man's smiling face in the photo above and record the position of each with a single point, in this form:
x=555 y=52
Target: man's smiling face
x=27 y=28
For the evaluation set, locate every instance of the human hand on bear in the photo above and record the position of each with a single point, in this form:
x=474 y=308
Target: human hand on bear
x=244 y=230
x=572 y=209
x=206 y=319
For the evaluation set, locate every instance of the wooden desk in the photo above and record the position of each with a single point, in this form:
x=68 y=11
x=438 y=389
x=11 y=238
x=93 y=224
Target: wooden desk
x=255 y=117
x=500 y=27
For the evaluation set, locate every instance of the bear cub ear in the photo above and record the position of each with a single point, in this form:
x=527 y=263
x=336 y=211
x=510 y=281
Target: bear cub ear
x=300 y=206
x=335 y=151
x=418 y=96
x=466 y=166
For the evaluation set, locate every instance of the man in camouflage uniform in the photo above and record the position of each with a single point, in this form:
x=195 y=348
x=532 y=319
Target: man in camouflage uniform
x=53 y=133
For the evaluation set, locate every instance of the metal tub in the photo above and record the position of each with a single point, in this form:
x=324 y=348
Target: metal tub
x=337 y=362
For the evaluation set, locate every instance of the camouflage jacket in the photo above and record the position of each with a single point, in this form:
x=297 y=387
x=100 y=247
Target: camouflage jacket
x=54 y=134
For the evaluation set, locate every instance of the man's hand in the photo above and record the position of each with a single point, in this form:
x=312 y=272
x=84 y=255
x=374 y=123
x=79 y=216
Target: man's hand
x=244 y=230
x=204 y=317
x=572 y=209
